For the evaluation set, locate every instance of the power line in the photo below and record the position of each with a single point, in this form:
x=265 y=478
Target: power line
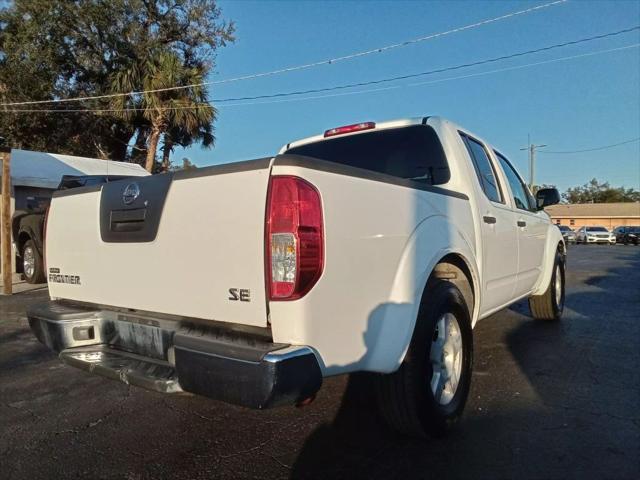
x=430 y=72
x=592 y=149
x=329 y=61
x=431 y=82
x=105 y=110
x=372 y=82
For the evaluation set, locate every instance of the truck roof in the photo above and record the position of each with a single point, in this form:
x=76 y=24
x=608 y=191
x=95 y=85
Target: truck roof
x=403 y=122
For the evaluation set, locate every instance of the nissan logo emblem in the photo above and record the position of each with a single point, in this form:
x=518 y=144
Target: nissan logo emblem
x=130 y=193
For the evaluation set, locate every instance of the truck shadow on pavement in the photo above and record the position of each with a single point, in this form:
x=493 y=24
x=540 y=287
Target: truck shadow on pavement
x=548 y=400
x=565 y=392
x=584 y=369
x=35 y=355
x=357 y=443
x=354 y=439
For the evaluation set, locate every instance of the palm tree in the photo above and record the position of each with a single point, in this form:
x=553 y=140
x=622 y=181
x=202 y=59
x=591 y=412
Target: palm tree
x=186 y=110
x=185 y=138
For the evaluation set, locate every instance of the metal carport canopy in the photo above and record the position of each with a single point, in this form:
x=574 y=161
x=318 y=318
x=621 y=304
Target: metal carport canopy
x=45 y=170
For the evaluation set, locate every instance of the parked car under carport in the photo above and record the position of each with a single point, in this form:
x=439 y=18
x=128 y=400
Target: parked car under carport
x=28 y=226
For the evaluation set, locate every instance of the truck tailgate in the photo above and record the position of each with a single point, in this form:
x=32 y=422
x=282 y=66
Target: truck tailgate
x=173 y=243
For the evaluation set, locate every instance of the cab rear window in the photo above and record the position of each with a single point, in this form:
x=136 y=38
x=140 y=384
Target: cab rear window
x=413 y=152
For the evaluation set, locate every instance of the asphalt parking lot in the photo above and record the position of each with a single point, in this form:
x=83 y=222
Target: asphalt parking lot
x=547 y=401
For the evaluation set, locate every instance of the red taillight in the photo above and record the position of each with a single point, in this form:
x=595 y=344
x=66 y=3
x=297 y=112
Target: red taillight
x=356 y=127
x=294 y=238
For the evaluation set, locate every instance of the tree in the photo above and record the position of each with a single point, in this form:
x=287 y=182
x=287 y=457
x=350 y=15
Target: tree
x=596 y=192
x=181 y=112
x=66 y=48
x=185 y=137
x=535 y=188
x=186 y=165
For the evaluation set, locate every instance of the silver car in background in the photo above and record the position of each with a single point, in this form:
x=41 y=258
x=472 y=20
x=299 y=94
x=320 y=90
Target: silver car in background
x=568 y=234
x=595 y=235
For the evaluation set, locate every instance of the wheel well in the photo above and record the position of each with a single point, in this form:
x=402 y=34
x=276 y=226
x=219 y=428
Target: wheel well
x=453 y=268
x=562 y=248
x=23 y=237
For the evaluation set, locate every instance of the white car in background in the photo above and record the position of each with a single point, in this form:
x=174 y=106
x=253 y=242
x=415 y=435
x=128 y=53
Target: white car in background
x=595 y=235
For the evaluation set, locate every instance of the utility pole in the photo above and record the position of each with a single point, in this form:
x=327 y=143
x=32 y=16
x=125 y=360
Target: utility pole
x=5 y=220
x=532 y=159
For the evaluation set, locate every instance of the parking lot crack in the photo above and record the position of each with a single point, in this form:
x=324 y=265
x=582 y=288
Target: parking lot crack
x=33 y=415
x=118 y=406
x=275 y=459
x=173 y=408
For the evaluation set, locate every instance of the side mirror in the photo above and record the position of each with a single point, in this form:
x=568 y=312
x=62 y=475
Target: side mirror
x=546 y=197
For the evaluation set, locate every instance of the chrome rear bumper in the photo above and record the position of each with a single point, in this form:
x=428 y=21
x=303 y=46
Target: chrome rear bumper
x=171 y=356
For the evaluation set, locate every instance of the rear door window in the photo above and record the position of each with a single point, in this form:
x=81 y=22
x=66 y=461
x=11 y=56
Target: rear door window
x=413 y=153
x=484 y=169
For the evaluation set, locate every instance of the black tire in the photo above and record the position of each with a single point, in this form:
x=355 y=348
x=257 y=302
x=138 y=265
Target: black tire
x=405 y=397
x=547 y=306
x=38 y=271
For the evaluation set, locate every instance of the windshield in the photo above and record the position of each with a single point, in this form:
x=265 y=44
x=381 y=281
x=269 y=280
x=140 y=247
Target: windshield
x=411 y=152
x=564 y=228
x=597 y=229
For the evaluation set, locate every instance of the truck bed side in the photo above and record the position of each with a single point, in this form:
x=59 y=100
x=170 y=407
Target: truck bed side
x=383 y=237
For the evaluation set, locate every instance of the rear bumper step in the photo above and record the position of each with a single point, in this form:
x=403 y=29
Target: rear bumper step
x=172 y=356
x=125 y=367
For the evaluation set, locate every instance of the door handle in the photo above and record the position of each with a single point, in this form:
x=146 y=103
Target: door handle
x=522 y=223
x=489 y=219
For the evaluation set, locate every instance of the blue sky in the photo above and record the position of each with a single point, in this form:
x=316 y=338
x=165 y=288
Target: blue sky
x=570 y=105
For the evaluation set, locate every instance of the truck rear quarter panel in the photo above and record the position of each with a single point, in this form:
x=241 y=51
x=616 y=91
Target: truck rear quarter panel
x=381 y=242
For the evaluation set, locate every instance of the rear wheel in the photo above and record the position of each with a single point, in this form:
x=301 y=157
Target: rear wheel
x=32 y=265
x=550 y=304
x=427 y=394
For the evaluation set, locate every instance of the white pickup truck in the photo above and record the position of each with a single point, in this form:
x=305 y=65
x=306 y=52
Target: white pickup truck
x=370 y=248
